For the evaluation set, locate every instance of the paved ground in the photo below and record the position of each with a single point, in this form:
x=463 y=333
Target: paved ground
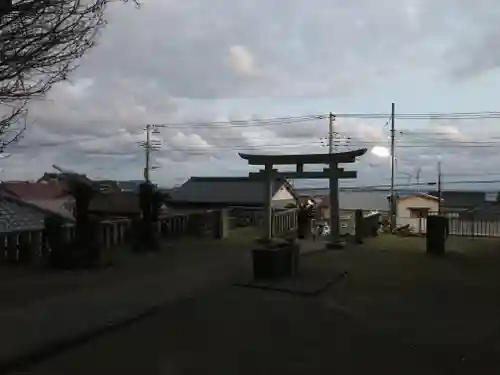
x=398 y=312
x=23 y=286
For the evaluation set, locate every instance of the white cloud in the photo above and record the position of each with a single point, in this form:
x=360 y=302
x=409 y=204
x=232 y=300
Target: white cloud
x=178 y=62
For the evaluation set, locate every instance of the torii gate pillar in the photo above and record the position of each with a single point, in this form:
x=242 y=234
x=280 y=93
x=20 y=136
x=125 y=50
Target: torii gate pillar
x=333 y=173
x=333 y=184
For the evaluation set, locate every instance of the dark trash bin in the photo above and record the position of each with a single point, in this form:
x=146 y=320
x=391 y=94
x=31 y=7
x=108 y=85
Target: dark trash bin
x=437 y=232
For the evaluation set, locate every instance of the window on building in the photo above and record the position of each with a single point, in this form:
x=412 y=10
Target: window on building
x=418 y=213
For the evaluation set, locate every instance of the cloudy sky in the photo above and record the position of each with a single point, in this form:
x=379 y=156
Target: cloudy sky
x=189 y=63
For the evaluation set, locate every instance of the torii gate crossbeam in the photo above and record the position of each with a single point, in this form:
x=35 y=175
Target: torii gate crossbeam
x=333 y=173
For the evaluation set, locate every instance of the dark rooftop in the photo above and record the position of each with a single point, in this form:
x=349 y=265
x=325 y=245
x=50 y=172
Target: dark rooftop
x=223 y=190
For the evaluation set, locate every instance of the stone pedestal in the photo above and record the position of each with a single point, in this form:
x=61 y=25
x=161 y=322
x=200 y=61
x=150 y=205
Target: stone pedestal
x=276 y=261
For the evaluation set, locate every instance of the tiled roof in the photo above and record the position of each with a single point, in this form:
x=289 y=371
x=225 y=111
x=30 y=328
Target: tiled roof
x=224 y=190
x=63 y=207
x=115 y=203
x=16 y=215
x=35 y=190
x=62 y=177
x=488 y=211
x=417 y=194
x=132 y=185
x=462 y=199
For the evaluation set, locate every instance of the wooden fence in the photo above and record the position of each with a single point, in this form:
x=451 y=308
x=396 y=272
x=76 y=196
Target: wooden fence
x=459 y=225
x=31 y=246
x=285 y=222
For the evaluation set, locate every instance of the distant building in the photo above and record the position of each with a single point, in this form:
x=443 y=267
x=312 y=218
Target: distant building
x=17 y=215
x=62 y=177
x=352 y=200
x=413 y=209
x=48 y=195
x=106 y=186
x=471 y=205
x=112 y=204
x=129 y=186
x=217 y=192
x=457 y=201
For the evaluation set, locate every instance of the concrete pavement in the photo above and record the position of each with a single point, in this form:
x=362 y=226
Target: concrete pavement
x=35 y=329
x=398 y=312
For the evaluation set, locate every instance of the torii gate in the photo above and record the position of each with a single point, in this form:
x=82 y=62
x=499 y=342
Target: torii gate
x=333 y=173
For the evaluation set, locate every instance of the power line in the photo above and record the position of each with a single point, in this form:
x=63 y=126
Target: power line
x=211 y=148
x=321 y=144
x=402 y=176
x=430 y=145
x=243 y=123
x=429 y=184
x=353 y=141
x=292 y=119
x=424 y=116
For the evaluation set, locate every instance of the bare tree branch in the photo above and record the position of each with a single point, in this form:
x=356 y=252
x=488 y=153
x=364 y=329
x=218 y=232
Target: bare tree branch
x=41 y=42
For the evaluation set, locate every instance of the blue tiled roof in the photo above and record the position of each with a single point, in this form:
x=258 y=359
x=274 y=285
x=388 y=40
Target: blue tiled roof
x=242 y=190
x=16 y=215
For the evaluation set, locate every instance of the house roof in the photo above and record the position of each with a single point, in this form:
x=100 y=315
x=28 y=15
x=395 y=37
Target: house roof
x=115 y=203
x=421 y=195
x=226 y=190
x=106 y=186
x=63 y=207
x=17 y=215
x=35 y=190
x=132 y=185
x=50 y=176
x=461 y=199
x=488 y=211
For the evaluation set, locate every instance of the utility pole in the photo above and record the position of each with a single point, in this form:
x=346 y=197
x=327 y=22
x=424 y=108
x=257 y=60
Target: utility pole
x=330 y=133
x=439 y=187
x=149 y=146
x=418 y=178
x=393 y=161
x=147 y=151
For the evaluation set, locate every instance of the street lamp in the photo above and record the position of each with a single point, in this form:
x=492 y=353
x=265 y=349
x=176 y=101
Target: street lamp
x=383 y=152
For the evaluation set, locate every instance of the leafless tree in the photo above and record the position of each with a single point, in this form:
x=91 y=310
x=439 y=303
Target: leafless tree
x=41 y=42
